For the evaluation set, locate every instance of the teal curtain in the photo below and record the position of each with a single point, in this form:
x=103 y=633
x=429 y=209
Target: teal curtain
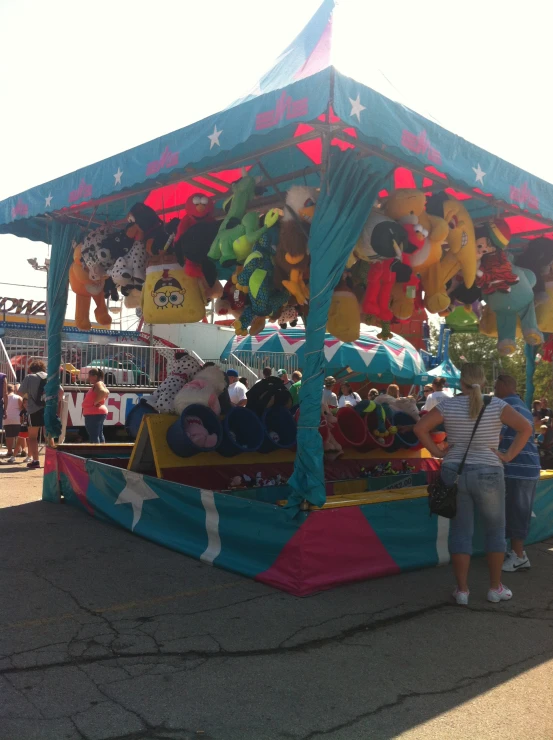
x=62 y=235
x=348 y=192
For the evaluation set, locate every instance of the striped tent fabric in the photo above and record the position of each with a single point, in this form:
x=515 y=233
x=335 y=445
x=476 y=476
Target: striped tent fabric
x=394 y=359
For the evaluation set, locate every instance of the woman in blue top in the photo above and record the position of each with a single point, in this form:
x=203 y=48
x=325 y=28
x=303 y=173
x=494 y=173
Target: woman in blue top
x=481 y=483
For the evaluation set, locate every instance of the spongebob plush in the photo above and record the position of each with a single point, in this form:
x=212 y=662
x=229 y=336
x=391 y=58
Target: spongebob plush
x=170 y=296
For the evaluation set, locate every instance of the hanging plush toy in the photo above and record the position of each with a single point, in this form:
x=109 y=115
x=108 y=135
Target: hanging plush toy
x=238 y=226
x=288 y=316
x=93 y=258
x=537 y=257
x=144 y=225
x=461 y=254
x=406 y=205
x=183 y=368
x=256 y=279
x=232 y=301
x=544 y=309
x=383 y=242
x=344 y=318
x=99 y=261
x=425 y=235
x=195 y=234
x=494 y=271
x=169 y=295
x=292 y=255
x=127 y=259
x=87 y=290
x=507 y=308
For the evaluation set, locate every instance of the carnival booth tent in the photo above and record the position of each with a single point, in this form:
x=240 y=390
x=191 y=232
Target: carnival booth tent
x=382 y=361
x=305 y=123
x=445 y=369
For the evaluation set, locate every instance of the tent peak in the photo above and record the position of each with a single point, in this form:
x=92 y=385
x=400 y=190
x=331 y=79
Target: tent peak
x=308 y=54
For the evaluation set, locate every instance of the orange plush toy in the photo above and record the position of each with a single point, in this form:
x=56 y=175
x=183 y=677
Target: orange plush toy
x=87 y=290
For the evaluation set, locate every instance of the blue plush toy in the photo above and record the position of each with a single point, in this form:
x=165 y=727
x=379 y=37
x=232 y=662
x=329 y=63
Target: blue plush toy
x=508 y=307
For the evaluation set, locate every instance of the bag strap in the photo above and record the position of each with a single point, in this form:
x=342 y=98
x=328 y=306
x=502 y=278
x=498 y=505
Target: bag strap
x=487 y=400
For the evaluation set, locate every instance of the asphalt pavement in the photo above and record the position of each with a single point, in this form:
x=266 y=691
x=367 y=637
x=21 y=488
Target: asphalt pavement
x=106 y=636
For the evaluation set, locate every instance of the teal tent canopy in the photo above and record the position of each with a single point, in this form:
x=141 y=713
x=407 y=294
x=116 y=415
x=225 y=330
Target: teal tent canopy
x=304 y=123
x=445 y=370
x=368 y=357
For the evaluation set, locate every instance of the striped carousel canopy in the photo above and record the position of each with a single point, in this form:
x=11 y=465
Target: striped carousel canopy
x=381 y=361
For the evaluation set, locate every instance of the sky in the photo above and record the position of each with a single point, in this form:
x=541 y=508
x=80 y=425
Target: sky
x=83 y=81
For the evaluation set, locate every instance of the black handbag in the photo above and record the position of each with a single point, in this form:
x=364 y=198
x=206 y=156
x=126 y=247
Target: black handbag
x=442 y=499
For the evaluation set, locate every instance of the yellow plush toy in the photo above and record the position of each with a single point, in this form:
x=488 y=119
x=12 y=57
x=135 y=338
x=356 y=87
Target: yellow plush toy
x=407 y=205
x=87 y=290
x=544 y=310
x=170 y=296
x=460 y=257
x=344 y=319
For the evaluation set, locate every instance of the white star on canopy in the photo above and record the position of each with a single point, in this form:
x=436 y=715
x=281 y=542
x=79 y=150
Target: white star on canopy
x=356 y=107
x=214 y=137
x=479 y=173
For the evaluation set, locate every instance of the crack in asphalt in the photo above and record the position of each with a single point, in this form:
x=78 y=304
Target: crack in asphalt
x=111 y=653
x=460 y=684
x=371 y=626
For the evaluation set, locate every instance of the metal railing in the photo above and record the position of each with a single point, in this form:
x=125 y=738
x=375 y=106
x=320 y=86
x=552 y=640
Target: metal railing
x=237 y=364
x=5 y=365
x=127 y=365
x=275 y=360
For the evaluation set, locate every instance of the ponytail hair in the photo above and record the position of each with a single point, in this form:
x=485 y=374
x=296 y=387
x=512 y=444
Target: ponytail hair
x=472 y=380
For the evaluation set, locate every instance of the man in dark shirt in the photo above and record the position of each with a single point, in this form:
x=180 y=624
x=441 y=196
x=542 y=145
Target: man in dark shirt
x=521 y=477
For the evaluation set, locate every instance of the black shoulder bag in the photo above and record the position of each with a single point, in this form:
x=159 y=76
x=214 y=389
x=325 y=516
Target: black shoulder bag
x=442 y=499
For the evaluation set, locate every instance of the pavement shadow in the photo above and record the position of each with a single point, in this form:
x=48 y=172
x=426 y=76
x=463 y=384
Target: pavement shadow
x=98 y=612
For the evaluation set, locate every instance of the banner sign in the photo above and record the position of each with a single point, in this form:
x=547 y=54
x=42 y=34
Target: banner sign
x=118 y=404
x=22 y=306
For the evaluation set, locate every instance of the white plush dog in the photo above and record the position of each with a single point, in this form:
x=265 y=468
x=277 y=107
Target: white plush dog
x=184 y=368
x=205 y=389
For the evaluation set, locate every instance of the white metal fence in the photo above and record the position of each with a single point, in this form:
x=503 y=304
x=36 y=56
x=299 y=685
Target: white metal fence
x=130 y=365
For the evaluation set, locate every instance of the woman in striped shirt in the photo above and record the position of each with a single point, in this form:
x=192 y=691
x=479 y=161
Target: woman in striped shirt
x=481 y=484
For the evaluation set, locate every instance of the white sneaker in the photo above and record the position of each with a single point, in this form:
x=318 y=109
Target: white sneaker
x=28 y=460
x=11 y=460
x=461 y=597
x=495 y=595
x=513 y=562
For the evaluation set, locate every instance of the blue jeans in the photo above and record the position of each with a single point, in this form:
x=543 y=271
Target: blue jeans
x=519 y=501
x=94 y=425
x=482 y=487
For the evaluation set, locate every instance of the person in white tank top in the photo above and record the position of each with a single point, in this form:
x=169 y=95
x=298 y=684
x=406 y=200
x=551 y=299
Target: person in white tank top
x=12 y=422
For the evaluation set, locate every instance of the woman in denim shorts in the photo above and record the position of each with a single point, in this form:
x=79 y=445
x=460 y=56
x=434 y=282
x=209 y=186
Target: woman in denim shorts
x=481 y=485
